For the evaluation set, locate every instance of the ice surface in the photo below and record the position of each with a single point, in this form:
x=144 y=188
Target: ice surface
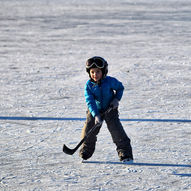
x=43 y=48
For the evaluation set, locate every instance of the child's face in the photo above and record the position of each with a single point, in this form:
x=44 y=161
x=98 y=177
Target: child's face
x=96 y=74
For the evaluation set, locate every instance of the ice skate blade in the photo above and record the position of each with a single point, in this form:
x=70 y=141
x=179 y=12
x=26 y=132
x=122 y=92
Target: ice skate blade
x=84 y=161
x=127 y=161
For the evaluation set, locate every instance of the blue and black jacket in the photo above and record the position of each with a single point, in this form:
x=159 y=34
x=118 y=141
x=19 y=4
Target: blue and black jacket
x=99 y=95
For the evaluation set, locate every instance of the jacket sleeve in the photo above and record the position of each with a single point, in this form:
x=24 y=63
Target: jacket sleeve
x=118 y=87
x=90 y=101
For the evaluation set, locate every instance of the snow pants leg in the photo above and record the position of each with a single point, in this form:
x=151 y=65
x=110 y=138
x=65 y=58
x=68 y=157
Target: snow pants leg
x=118 y=134
x=88 y=147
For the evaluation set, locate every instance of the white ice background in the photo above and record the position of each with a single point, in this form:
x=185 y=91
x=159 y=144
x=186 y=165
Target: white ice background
x=43 y=48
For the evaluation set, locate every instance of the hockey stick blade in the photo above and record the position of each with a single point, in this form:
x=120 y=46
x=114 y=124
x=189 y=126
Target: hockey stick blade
x=68 y=150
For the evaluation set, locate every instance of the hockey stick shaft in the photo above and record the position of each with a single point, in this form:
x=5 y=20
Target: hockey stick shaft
x=69 y=151
x=72 y=151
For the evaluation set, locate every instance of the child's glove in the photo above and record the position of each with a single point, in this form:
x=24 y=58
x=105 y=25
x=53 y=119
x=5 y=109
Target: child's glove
x=98 y=120
x=114 y=103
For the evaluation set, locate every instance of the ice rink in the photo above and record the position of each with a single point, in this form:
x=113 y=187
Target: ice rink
x=43 y=49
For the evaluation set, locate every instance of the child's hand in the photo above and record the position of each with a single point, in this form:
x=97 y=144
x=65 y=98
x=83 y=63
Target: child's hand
x=114 y=103
x=98 y=120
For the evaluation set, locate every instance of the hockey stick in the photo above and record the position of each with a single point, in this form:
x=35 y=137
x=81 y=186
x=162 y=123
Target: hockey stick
x=72 y=151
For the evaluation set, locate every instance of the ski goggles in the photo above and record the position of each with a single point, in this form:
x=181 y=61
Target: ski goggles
x=99 y=63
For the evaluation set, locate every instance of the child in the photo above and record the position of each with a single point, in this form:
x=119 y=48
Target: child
x=101 y=93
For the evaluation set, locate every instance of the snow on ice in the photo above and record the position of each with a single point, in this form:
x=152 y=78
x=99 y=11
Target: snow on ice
x=43 y=48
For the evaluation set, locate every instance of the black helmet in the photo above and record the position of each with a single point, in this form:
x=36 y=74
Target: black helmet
x=97 y=62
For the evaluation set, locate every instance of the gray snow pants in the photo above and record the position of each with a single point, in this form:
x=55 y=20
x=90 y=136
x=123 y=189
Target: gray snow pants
x=116 y=130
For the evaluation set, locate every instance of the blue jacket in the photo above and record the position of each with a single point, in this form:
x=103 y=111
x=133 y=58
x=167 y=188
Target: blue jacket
x=99 y=96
